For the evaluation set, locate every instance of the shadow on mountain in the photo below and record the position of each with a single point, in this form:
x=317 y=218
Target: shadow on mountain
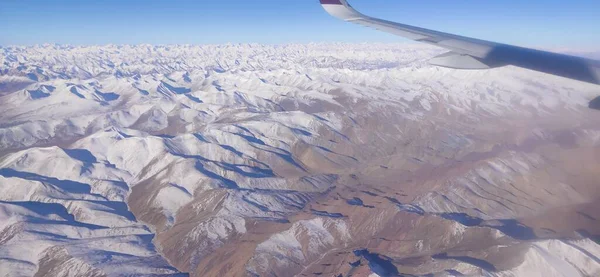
x=115 y=207
x=73 y=90
x=587 y=216
x=255 y=204
x=358 y=202
x=286 y=157
x=165 y=87
x=82 y=155
x=250 y=139
x=143 y=91
x=227 y=183
x=8 y=87
x=463 y=218
x=327 y=214
x=587 y=234
x=582 y=250
x=32 y=77
x=38 y=94
x=65 y=185
x=250 y=172
x=232 y=150
x=335 y=153
x=453 y=272
x=201 y=138
x=514 y=229
x=378 y=265
x=301 y=132
x=194 y=98
x=108 y=96
x=47 y=209
x=509 y=227
x=410 y=208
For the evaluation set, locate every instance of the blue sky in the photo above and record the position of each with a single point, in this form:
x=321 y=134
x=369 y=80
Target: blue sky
x=536 y=23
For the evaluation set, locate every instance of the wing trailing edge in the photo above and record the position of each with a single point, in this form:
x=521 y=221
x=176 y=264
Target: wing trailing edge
x=461 y=61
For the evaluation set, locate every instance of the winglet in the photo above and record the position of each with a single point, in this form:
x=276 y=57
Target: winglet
x=341 y=9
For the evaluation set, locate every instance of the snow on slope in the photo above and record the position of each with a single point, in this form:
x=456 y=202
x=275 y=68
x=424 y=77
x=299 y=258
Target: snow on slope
x=289 y=251
x=557 y=259
x=140 y=160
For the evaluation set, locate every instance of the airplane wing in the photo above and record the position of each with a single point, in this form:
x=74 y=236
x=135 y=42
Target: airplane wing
x=470 y=53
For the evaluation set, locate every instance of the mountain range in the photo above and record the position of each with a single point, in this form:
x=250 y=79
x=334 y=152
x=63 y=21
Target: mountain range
x=325 y=159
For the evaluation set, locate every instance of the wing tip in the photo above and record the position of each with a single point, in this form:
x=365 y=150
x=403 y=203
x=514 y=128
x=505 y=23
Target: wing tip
x=331 y=2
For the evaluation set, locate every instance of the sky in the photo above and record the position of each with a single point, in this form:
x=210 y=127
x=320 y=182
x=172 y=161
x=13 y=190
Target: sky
x=534 y=23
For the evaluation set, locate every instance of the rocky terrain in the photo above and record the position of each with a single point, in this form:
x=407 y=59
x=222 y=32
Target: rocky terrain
x=294 y=160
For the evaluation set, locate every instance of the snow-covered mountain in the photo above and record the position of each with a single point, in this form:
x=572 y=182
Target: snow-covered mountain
x=294 y=160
